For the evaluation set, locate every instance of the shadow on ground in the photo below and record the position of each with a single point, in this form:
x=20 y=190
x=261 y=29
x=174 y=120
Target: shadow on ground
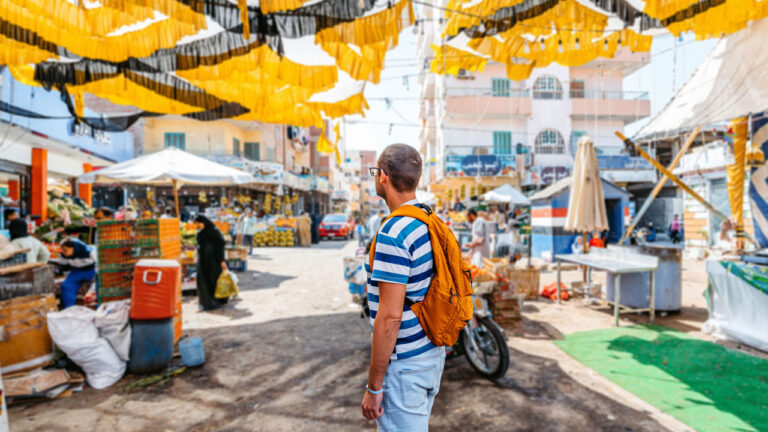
x=308 y=374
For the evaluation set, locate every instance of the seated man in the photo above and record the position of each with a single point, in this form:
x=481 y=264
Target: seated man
x=78 y=257
x=651 y=233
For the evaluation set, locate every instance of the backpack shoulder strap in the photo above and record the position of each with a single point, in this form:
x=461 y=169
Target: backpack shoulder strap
x=415 y=211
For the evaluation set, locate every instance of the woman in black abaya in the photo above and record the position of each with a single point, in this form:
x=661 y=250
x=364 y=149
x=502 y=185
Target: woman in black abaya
x=210 y=262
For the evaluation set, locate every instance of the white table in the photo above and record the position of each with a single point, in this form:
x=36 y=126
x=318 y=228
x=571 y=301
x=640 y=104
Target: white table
x=618 y=261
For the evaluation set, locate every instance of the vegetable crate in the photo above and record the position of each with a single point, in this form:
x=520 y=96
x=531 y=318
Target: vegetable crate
x=115 y=284
x=237 y=265
x=19 y=258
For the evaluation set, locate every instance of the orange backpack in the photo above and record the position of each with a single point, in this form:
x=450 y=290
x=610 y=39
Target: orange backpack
x=447 y=306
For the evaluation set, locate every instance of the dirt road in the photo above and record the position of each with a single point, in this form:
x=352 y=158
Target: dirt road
x=292 y=355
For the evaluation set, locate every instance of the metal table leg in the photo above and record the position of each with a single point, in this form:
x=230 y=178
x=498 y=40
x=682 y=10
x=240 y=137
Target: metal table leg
x=616 y=299
x=589 y=283
x=653 y=296
x=558 y=281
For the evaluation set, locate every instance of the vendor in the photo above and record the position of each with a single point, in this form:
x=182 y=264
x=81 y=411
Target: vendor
x=210 y=263
x=22 y=240
x=78 y=257
x=596 y=241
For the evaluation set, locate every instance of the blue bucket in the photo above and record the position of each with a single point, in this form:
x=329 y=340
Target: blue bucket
x=192 y=352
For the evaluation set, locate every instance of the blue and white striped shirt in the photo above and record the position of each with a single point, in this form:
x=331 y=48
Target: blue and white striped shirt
x=403 y=256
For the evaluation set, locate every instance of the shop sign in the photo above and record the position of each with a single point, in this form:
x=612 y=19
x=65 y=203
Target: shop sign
x=623 y=162
x=339 y=195
x=550 y=175
x=479 y=165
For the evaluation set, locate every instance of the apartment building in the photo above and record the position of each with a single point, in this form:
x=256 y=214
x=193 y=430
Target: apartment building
x=480 y=130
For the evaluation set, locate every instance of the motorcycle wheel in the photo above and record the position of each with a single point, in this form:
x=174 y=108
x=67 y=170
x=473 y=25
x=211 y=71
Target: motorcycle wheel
x=491 y=358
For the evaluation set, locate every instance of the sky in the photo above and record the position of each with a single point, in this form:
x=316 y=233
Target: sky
x=400 y=83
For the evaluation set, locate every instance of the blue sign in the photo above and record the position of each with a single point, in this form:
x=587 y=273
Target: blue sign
x=623 y=162
x=482 y=165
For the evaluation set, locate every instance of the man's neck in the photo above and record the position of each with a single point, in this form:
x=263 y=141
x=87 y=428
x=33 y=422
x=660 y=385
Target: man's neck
x=394 y=202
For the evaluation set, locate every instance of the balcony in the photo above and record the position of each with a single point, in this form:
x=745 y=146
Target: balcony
x=624 y=61
x=480 y=102
x=619 y=105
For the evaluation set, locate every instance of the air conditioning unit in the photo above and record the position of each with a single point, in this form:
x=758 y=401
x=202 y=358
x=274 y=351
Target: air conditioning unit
x=464 y=74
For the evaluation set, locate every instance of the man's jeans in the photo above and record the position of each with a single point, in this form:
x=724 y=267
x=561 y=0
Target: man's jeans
x=410 y=387
x=71 y=285
x=248 y=241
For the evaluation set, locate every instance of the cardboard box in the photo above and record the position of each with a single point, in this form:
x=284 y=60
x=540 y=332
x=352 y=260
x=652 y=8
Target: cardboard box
x=24 y=339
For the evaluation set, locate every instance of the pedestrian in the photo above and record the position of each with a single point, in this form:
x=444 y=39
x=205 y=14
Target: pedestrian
x=577 y=248
x=374 y=222
x=360 y=232
x=479 y=245
x=248 y=228
x=77 y=257
x=210 y=263
x=596 y=241
x=167 y=214
x=674 y=230
x=22 y=240
x=405 y=367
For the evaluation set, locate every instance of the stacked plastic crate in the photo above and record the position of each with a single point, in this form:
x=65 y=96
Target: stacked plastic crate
x=121 y=244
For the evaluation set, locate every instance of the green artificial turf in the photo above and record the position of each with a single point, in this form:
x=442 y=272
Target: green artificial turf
x=704 y=385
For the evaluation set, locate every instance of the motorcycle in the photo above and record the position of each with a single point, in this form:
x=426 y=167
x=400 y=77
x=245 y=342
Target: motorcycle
x=482 y=341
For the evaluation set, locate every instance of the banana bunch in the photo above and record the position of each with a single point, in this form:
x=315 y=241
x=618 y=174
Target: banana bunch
x=272 y=237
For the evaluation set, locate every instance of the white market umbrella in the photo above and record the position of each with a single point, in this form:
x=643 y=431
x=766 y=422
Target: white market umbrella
x=168 y=167
x=505 y=194
x=586 y=206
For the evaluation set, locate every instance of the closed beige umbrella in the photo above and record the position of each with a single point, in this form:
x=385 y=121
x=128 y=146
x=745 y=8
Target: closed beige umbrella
x=586 y=207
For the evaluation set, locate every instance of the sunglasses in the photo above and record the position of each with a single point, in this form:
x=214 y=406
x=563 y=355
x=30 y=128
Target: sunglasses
x=372 y=171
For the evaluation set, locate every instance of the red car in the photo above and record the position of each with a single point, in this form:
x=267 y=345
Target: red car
x=336 y=225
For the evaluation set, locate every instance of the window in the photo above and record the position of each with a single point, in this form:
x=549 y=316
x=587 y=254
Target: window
x=500 y=87
x=575 y=137
x=502 y=143
x=577 y=89
x=252 y=151
x=550 y=141
x=177 y=140
x=271 y=154
x=235 y=147
x=547 y=87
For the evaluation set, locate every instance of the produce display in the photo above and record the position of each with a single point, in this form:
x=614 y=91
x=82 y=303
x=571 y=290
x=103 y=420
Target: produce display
x=458 y=217
x=274 y=237
x=66 y=208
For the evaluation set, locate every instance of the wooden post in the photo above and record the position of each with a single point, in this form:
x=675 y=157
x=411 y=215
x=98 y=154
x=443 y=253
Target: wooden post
x=176 y=196
x=39 y=184
x=720 y=215
x=661 y=183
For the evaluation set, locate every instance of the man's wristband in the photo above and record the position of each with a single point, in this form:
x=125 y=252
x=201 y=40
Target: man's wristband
x=374 y=391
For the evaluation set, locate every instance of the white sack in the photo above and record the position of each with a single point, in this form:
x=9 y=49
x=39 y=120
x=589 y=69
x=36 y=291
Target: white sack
x=73 y=330
x=113 y=322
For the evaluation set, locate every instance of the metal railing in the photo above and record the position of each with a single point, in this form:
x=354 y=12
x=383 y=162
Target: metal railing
x=612 y=95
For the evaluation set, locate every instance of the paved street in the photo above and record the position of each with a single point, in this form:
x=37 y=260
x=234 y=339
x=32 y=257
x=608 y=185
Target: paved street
x=292 y=355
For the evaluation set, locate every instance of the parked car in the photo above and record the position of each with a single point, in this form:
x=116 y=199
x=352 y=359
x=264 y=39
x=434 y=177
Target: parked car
x=337 y=225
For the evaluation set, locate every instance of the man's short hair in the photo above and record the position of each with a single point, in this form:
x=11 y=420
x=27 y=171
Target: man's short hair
x=471 y=212
x=106 y=211
x=68 y=243
x=403 y=165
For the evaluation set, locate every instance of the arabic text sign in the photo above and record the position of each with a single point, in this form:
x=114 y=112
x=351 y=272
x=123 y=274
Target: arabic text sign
x=482 y=165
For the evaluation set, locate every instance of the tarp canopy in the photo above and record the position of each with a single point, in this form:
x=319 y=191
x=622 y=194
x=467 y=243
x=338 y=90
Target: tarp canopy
x=729 y=83
x=163 y=167
x=505 y=194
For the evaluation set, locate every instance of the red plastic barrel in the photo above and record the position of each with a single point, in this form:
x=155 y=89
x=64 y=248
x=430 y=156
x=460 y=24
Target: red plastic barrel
x=156 y=289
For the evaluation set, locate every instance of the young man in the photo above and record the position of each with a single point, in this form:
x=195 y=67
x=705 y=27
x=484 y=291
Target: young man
x=479 y=246
x=78 y=257
x=406 y=367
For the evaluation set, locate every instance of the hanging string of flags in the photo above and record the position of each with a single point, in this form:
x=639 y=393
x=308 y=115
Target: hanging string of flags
x=300 y=61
